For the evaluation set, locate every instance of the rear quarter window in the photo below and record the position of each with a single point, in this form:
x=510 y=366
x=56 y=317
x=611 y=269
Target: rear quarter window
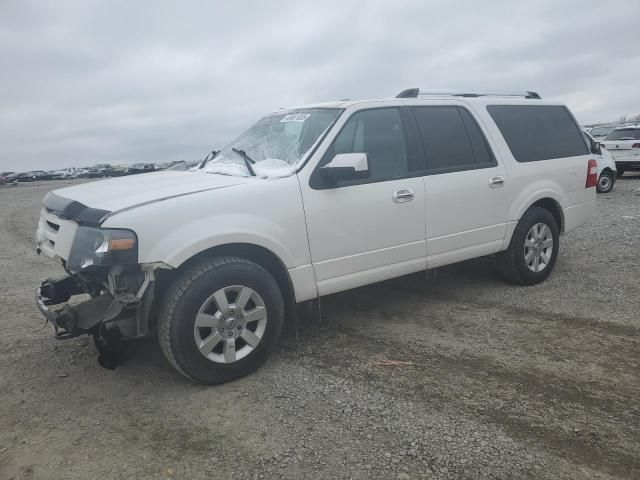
x=538 y=132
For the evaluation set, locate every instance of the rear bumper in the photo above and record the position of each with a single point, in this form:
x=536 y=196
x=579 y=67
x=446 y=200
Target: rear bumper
x=630 y=163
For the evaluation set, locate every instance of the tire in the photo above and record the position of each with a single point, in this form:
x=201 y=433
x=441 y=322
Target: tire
x=187 y=317
x=605 y=182
x=513 y=262
x=620 y=171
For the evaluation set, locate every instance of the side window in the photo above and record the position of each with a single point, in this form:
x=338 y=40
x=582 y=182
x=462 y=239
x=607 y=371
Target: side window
x=452 y=139
x=538 y=132
x=481 y=150
x=378 y=133
x=591 y=144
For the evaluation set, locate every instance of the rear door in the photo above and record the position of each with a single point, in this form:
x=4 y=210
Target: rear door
x=465 y=187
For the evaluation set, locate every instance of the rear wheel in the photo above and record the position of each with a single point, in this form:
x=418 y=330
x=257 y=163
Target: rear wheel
x=620 y=171
x=605 y=182
x=221 y=319
x=533 y=250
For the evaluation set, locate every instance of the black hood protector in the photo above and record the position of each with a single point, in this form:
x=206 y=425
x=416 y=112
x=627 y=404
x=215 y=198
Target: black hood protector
x=72 y=210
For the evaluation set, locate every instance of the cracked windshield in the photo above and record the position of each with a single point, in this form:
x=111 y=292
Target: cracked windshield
x=275 y=144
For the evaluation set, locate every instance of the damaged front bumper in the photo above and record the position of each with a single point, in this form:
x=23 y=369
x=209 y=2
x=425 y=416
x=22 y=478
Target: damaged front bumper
x=108 y=313
x=82 y=318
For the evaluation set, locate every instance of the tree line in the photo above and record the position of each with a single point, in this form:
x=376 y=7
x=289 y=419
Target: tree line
x=629 y=118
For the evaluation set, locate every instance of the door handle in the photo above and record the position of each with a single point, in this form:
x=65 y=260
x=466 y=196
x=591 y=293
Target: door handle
x=402 y=196
x=496 y=182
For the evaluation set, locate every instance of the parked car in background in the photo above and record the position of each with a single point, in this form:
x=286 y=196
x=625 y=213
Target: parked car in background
x=86 y=173
x=601 y=131
x=42 y=175
x=8 y=180
x=119 y=171
x=308 y=202
x=624 y=145
x=102 y=169
x=78 y=172
x=185 y=165
x=63 y=174
x=166 y=165
x=141 y=168
x=606 y=165
x=26 y=177
x=92 y=173
x=9 y=177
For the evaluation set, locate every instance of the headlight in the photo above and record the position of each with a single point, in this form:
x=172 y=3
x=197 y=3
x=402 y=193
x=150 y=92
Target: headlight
x=95 y=246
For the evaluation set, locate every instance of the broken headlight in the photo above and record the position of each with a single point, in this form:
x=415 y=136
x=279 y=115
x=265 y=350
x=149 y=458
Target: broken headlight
x=96 y=247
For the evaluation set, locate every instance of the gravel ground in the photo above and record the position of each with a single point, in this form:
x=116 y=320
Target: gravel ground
x=500 y=382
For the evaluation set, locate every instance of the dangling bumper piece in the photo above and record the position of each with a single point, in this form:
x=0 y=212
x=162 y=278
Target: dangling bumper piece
x=109 y=318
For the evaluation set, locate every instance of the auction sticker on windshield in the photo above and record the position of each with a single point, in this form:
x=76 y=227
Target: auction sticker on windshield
x=295 y=117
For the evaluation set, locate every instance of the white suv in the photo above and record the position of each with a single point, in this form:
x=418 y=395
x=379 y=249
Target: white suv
x=311 y=201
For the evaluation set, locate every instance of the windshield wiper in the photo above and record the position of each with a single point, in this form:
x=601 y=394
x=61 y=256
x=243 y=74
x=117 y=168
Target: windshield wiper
x=210 y=156
x=247 y=160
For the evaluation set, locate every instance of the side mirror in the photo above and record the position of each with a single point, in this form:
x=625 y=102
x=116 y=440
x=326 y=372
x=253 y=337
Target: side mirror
x=346 y=166
x=597 y=148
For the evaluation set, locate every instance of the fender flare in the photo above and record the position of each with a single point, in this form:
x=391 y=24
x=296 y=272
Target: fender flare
x=180 y=256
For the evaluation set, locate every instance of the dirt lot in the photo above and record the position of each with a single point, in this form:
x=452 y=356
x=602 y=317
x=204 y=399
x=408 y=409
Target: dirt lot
x=505 y=382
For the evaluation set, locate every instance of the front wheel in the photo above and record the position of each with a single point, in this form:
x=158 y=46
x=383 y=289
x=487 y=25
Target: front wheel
x=221 y=319
x=533 y=250
x=605 y=182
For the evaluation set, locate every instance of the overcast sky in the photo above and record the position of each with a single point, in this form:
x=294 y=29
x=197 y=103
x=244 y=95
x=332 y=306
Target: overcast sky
x=121 y=81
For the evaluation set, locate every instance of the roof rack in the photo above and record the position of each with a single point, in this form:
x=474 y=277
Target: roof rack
x=416 y=92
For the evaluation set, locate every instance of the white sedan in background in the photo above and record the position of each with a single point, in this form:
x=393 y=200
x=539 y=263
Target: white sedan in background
x=606 y=164
x=599 y=132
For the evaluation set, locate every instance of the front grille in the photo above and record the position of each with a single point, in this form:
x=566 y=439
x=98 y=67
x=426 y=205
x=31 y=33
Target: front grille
x=53 y=225
x=48 y=230
x=55 y=235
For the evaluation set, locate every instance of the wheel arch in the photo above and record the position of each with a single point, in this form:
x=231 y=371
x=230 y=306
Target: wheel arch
x=553 y=207
x=248 y=251
x=544 y=201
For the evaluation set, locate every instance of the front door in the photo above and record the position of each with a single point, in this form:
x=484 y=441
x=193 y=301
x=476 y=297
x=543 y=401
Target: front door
x=363 y=231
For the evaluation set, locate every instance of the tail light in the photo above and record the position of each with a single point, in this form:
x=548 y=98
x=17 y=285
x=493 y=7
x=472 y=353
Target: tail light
x=635 y=145
x=592 y=174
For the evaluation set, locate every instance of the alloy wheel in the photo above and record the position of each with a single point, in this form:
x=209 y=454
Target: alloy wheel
x=604 y=183
x=538 y=247
x=230 y=324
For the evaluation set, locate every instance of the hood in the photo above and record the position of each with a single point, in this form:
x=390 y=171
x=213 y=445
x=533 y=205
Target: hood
x=90 y=202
